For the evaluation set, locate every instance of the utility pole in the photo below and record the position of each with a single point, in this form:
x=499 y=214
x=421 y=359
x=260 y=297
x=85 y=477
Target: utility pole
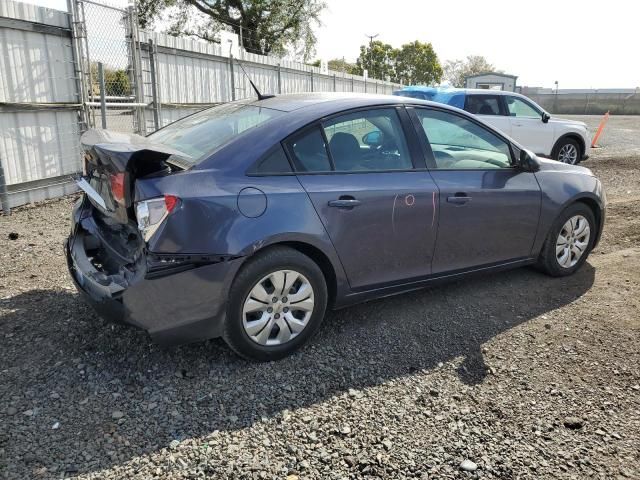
x=371 y=37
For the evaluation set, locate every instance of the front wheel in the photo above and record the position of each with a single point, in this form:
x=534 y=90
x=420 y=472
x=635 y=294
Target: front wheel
x=569 y=241
x=567 y=151
x=276 y=304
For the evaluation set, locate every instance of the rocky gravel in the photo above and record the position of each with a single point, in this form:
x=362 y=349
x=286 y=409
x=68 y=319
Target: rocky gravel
x=511 y=375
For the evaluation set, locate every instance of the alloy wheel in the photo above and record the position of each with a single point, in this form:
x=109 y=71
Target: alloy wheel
x=572 y=241
x=568 y=154
x=278 y=308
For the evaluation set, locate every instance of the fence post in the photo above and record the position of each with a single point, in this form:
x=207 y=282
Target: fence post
x=334 y=83
x=233 y=80
x=103 y=100
x=78 y=71
x=279 y=69
x=4 y=195
x=154 y=84
x=82 y=24
x=311 y=80
x=352 y=84
x=136 y=63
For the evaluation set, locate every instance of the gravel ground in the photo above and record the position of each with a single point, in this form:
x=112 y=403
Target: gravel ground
x=512 y=375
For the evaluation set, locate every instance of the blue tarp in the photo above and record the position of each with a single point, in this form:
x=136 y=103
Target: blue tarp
x=448 y=96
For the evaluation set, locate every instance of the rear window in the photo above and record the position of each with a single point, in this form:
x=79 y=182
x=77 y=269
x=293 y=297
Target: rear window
x=206 y=131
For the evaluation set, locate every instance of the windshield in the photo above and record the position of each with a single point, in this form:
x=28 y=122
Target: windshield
x=204 y=132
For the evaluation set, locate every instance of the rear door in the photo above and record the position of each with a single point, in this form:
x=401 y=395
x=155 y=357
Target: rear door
x=379 y=211
x=527 y=127
x=490 y=109
x=489 y=210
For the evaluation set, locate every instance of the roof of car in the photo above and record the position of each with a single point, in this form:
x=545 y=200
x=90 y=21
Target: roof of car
x=296 y=101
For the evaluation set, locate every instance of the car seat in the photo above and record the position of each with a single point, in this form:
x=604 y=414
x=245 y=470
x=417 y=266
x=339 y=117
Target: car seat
x=345 y=151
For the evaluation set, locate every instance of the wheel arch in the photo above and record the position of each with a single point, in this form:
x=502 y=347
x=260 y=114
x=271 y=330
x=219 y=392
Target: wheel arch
x=332 y=273
x=597 y=214
x=322 y=260
x=573 y=136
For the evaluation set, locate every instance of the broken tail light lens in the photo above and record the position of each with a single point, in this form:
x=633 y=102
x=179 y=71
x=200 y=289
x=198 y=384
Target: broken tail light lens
x=151 y=213
x=117 y=187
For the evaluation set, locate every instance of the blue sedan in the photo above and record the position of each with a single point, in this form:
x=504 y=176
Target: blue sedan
x=248 y=220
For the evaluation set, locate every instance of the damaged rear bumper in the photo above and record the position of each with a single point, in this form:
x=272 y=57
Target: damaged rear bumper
x=174 y=305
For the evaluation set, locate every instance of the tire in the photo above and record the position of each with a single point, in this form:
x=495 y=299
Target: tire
x=550 y=257
x=568 y=151
x=299 y=319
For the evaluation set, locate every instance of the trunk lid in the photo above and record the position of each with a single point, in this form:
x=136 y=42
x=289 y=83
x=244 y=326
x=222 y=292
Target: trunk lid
x=113 y=161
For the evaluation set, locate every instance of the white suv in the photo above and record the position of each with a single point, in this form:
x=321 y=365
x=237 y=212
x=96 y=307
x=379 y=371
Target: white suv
x=517 y=116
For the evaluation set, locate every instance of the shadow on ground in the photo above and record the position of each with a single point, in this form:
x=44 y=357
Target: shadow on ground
x=68 y=366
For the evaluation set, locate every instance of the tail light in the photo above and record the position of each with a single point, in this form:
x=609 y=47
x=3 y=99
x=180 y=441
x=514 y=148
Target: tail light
x=117 y=187
x=151 y=213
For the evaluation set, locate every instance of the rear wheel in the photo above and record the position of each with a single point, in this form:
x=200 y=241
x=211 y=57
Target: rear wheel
x=567 y=151
x=569 y=241
x=277 y=303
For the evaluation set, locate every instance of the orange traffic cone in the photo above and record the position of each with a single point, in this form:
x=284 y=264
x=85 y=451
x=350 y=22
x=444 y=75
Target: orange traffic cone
x=600 y=128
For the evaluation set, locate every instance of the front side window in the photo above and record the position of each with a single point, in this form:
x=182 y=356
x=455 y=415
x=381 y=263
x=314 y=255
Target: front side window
x=482 y=104
x=520 y=108
x=458 y=143
x=206 y=131
x=368 y=140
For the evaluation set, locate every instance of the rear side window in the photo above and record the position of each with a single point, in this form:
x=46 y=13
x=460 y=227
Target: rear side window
x=204 y=132
x=274 y=163
x=368 y=140
x=482 y=104
x=309 y=152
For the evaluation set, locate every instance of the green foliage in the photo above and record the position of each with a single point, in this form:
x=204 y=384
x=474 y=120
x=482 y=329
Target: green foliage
x=378 y=59
x=340 y=65
x=413 y=63
x=455 y=71
x=266 y=26
x=416 y=63
x=116 y=81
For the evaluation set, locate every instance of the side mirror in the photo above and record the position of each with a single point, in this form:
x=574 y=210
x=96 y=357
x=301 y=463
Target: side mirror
x=372 y=139
x=528 y=161
x=545 y=117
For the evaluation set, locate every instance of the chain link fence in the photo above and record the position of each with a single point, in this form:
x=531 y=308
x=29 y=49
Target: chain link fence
x=110 y=76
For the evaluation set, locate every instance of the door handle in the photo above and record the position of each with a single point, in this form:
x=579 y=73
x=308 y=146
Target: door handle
x=517 y=124
x=345 y=201
x=459 y=198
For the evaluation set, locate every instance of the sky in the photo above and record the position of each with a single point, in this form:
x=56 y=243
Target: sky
x=581 y=44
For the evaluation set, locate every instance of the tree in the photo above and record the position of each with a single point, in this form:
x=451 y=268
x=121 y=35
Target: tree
x=377 y=58
x=116 y=81
x=340 y=65
x=266 y=26
x=455 y=71
x=416 y=63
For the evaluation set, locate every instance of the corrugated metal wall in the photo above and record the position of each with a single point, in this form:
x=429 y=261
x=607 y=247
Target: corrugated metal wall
x=203 y=73
x=39 y=126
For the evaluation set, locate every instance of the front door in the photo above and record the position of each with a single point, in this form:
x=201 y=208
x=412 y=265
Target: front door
x=527 y=127
x=489 y=210
x=379 y=212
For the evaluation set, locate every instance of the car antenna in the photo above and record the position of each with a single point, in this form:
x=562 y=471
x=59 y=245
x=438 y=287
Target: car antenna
x=260 y=95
